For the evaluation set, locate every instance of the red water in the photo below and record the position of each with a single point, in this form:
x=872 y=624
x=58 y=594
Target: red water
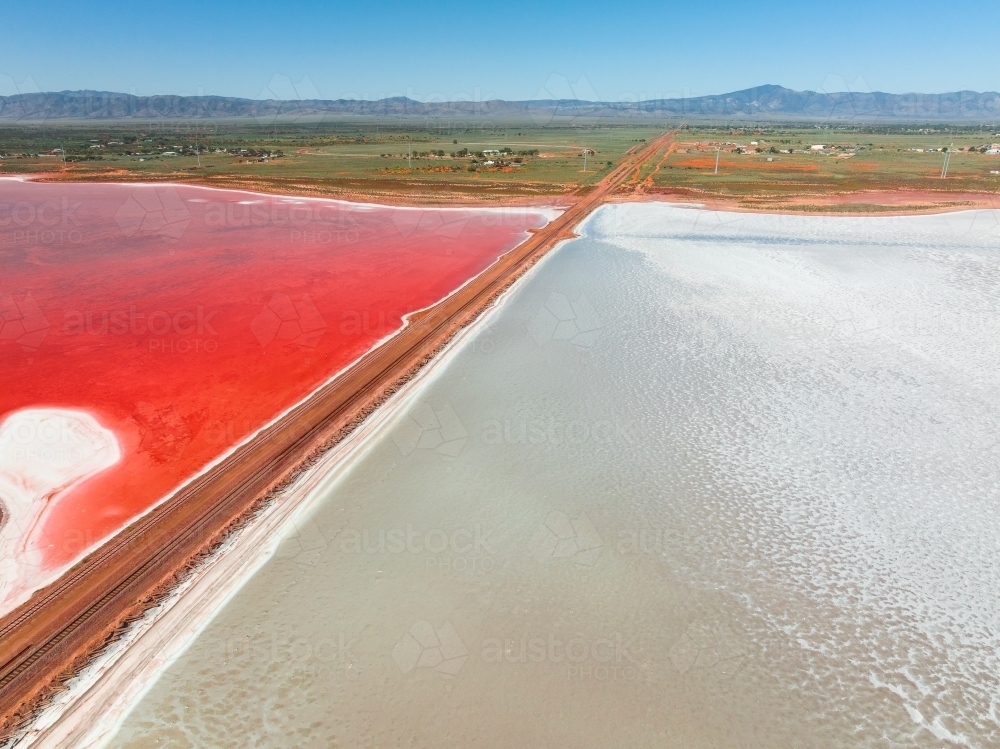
x=184 y=318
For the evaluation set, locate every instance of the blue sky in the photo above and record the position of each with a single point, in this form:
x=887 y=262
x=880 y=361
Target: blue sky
x=510 y=50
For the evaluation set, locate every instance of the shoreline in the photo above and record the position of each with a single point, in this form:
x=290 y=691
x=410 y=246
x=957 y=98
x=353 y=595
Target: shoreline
x=551 y=205
x=548 y=212
x=386 y=199
x=89 y=711
x=369 y=407
x=902 y=202
x=66 y=625
x=888 y=202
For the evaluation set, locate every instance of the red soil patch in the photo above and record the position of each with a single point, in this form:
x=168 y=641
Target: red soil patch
x=184 y=318
x=784 y=166
x=745 y=162
x=697 y=162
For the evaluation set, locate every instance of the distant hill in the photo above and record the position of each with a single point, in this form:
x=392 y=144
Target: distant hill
x=761 y=103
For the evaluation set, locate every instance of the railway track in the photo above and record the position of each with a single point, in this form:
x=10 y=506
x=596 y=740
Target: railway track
x=65 y=623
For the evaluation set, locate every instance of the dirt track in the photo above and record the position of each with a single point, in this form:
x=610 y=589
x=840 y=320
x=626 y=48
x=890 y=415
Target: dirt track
x=62 y=625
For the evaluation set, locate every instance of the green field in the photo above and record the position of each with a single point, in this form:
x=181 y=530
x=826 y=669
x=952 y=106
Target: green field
x=350 y=159
x=854 y=160
x=400 y=161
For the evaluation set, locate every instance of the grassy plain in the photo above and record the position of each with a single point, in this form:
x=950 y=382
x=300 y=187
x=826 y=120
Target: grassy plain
x=883 y=169
x=862 y=169
x=359 y=160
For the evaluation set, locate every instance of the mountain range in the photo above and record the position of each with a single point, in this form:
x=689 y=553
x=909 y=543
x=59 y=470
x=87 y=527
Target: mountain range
x=761 y=103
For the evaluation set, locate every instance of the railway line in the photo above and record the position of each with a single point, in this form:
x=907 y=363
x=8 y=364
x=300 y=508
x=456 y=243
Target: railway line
x=64 y=624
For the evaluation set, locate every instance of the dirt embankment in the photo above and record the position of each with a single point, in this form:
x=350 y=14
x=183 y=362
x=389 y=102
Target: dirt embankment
x=387 y=191
x=864 y=203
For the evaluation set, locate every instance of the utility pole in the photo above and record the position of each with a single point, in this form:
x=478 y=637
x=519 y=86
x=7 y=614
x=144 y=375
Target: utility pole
x=62 y=147
x=409 y=156
x=947 y=159
x=718 y=150
x=197 y=151
x=584 y=160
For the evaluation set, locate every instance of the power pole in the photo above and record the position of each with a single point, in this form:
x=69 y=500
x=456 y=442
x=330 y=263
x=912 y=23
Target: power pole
x=718 y=150
x=584 y=160
x=197 y=151
x=947 y=159
x=409 y=156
